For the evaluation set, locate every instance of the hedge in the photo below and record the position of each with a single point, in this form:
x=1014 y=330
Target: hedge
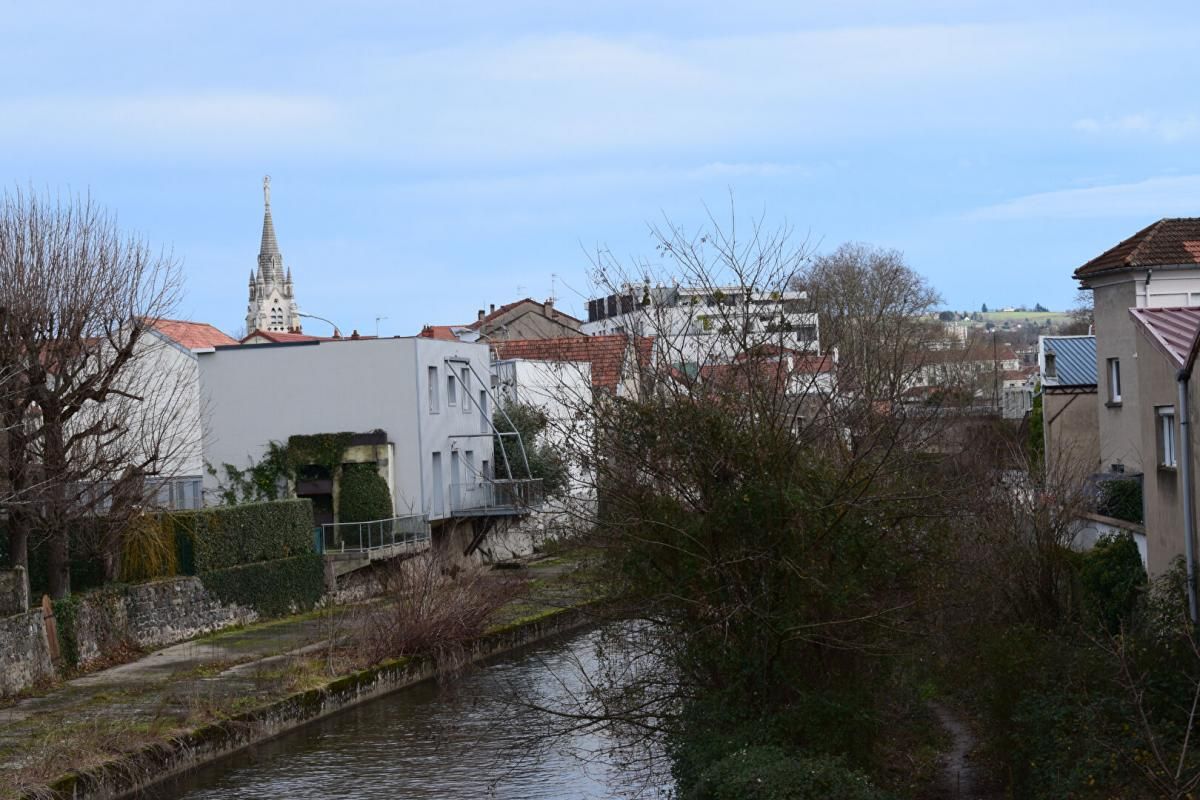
x=364 y=495
x=272 y=588
x=213 y=539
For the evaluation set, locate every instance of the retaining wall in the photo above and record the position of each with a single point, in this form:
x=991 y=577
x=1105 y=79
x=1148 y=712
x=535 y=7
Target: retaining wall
x=151 y=615
x=24 y=652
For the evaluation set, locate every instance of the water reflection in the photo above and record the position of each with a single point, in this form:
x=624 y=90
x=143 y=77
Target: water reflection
x=468 y=740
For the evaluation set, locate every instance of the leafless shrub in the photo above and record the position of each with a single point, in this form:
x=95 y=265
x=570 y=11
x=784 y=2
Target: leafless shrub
x=431 y=607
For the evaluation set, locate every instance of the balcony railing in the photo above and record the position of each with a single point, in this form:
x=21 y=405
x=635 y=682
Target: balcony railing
x=496 y=497
x=397 y=533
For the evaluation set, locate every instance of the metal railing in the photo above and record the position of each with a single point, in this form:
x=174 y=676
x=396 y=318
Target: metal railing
x=496 y=496
x=396 y=532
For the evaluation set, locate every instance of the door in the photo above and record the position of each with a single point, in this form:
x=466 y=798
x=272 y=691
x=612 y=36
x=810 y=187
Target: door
x=438 y=509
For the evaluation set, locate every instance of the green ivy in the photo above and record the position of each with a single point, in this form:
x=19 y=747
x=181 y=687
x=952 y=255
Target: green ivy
x=226 y=536
x=66 y=618
x=322 y=449
x=273 y=588
x=364 y=494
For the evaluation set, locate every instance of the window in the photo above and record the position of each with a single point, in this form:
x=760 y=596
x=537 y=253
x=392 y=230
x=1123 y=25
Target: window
x=485 y=419
x=1165 y=419
x=465 y=375
x=435 y=402
x=1114 y=380
x=451 y=394
x=1051 y=366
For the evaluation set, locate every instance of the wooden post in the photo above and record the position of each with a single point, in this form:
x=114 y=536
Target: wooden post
x=51 y=627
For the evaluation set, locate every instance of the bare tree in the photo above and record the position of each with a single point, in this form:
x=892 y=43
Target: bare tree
x=94 y=416
x=769 y=527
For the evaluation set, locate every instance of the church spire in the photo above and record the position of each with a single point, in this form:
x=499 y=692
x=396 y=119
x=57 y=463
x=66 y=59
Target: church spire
x=272 y=301
x=269 y=247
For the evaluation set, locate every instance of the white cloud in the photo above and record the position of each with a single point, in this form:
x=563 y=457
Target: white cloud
x=1167 y=129
x=1154 y=197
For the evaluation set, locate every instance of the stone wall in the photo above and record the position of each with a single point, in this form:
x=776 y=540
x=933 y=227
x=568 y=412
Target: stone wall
x=24 y=653
x=151 y=615
x=14 y=591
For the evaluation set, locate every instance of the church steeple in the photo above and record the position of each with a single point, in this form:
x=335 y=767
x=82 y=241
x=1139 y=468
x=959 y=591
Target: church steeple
x=272 y=304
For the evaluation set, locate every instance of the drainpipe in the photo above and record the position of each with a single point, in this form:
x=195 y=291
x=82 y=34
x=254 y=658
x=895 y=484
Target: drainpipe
x=1185 y=473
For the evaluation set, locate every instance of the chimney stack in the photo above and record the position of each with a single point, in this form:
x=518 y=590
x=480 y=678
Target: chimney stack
x=492 y=308
x=548 y=306
x=481 y=315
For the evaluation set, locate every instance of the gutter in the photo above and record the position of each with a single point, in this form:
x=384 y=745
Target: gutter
x=1183 y=378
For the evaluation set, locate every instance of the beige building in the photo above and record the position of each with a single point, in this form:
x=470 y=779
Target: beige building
x=1165 y=338
x=1067 y=370
x=1157 y=267
x=521 y=320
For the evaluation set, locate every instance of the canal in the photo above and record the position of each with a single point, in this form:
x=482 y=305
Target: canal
x=465 y=739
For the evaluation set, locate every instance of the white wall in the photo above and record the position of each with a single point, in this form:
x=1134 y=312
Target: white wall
x=262 y=393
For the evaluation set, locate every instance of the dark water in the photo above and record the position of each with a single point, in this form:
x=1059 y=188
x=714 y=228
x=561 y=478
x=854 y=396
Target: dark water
x=464 y=740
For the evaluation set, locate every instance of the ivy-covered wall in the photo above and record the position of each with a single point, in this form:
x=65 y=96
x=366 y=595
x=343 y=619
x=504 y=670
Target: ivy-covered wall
x=364 y=494
x=272 y=588
x=227 y=536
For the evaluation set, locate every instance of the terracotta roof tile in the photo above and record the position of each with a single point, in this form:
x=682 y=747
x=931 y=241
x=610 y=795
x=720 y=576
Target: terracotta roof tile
x=606 y=354
x=1168 y=242
x=192 y=335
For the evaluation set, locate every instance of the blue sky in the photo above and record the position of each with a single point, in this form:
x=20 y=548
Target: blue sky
x=430 y=158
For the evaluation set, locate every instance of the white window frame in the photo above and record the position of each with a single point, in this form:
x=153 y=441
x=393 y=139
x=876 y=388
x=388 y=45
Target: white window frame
x=464 y=378
x=1114 y=380
x=435 y=400
x=1165 y=428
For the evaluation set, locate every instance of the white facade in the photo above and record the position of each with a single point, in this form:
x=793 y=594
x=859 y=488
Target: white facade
x=708 y=325
x=429 y=396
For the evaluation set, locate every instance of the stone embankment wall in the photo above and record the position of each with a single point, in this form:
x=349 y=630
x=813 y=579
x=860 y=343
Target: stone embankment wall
x=96 y=624
x=24 y=650
x=150 y=615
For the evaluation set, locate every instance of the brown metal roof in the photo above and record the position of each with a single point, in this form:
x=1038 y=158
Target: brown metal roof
x=1172 y=329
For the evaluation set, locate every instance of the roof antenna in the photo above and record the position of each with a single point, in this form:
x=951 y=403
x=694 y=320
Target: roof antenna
x=377 y=326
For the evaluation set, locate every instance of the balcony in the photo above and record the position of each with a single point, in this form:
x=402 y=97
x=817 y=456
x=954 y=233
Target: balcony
x=496 y=497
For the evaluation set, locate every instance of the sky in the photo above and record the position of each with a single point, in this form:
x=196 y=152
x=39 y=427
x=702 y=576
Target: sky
x=428 y=159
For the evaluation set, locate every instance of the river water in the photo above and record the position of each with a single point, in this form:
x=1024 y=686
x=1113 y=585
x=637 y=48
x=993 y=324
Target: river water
x=465 y=739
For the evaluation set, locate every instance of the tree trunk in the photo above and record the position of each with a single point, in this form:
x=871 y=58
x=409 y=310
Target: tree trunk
x=55 y=511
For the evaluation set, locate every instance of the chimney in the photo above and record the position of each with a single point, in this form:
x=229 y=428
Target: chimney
x=492 y=308
x=481 y=315
x=548 y=307
x=354 y=335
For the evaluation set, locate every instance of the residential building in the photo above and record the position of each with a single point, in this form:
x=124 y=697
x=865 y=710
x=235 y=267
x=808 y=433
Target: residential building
x=615 y=362
x=1164 y=339
x=695 y=326
x=1157 y=267
x=422 y=407
x=523 y=319
x=1067 y=375
x=272 y=305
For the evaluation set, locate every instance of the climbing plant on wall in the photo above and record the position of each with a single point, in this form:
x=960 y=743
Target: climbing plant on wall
x=364 y=494
x=266 y=479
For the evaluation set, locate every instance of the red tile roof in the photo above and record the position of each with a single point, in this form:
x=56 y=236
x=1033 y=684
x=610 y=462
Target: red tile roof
x=1173 y=330
x=606 y=354
x=445 y=332
x=1168 y=242
x=192 y=335
x=279 y=338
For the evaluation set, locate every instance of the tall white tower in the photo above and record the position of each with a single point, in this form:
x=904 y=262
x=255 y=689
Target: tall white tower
x=272 y=302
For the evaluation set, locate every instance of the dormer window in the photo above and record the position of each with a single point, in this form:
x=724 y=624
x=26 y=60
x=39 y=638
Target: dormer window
x=1051 y=367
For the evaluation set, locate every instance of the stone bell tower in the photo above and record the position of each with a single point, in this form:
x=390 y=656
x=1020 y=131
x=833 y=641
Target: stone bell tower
x=272 y=304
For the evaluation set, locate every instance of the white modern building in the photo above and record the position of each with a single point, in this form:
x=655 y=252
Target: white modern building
x=706 y=325
x=423 y=406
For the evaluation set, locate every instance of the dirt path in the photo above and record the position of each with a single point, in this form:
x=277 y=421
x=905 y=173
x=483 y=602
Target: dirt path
x=961 y=777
